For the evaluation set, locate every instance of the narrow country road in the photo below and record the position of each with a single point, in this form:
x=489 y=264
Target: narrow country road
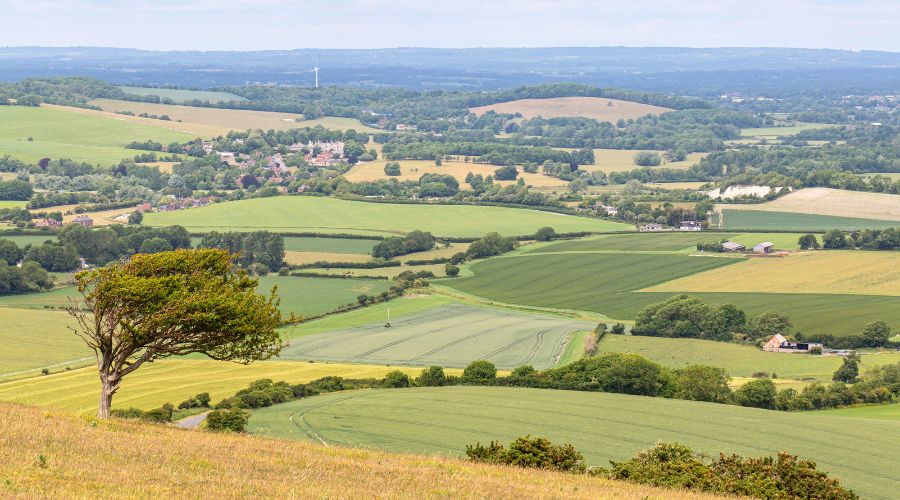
x=191 y=423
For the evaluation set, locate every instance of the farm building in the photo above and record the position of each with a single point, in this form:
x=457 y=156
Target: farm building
x=780 y=344
x=48 y=223
x=84 y=220
x=764 y=247
x=730 y=246
x=651 y=227
x=690 y=225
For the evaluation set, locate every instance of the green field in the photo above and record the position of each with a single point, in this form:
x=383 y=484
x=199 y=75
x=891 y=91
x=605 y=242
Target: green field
x=58 y=298
x=451 y=336
x=28 y=239
x=736 y=220
x=12 y=203
x=329 y=215
x=58 y=133
x=737 y=360
x=684 y=242
x=602 y=426
x=32 y=340
x=180 y=95
x=328 y=245
x=881 y=412
x=310 y=296
x=774 y=132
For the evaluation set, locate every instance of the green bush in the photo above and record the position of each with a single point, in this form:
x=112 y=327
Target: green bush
x=433 y=376
x=759 y=393
x=396 y=379
x=479 y=371
x=451 y=270
x=230 y=420
x=528 y=452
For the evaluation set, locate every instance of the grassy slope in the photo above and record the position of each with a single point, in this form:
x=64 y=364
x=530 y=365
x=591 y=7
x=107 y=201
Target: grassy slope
x=885 y=412
x=173 y=381
x=685 y=242
x=310 y=296
x=304 y=213
x=63 y=133
x=603 y=426
x=748 y=219
x=183 y=95
x=32 y=340
x=121 y=459
x=739 y=361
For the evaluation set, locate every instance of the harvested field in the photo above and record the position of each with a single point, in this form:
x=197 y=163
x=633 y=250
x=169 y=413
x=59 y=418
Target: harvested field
x=598 y=108
x=412 y=170
x=299 y=258
x=182 y=94
x=771 y=133
x=452 y=335
x=622 y=160
x=332 y=245
x=833 y=202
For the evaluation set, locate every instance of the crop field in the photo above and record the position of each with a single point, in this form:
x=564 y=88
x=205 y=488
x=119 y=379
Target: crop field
x=622 y=160
x=298 y=258
x=212 y=122
x=408 y=305
x=57 y=298
x=27 y=239
x=174 y=380
x=12 y=204
x=306 y=213
x=310 y=296
x=833 y=202
x=771 y=133
x=677 y=185
x=452 y=335
x=183 y=95
x=747 y=219
x=674 y=241
x=598 y=108
x=602 y=426
x=331 y=245
x=881 y=412
x=848 y=272
x=32 y=340
x=412 y=170
x=60 y=132
x=737 y=360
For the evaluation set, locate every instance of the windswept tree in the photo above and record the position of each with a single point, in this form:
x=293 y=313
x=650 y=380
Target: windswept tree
x=171 y=304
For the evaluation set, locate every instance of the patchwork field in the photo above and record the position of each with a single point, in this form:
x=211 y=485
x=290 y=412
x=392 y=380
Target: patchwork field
x=183 y=94
x=306 y=213
x=848 y=272
x=452 y=335
x=622 y=160
x=73 y=133
x=833 y=202
x=603 y=426
x=310 y=296
x=412 y=170
x=174 y=380
x=749 y=219
x=675 y=241
x=598 y=108
x=332 y=245
x=737 y=360
x=214 y=121
x=771 y=133
x=32 y=340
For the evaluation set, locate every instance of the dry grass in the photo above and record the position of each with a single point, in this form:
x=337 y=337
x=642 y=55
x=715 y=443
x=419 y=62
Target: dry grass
x=412 y=170
x=51 y=454
x=597 y=108
x=622 y=160
x=211 y=122
x=839 y=272
x=298 y=258
x=835 y=202
x=102 y=218
x=675 y=185
x=436 y=253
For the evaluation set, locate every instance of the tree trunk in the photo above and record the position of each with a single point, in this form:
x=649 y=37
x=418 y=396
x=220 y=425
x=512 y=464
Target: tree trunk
x=108 y=388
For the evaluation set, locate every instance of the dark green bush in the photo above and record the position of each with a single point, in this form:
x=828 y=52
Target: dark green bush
x=230 y=420
x=479 y=371
x=433 y=376
x=396 y=379
x=528 y=452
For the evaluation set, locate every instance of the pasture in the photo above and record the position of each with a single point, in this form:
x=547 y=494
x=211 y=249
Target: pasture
x=311 y=296
x=73 y=133
x=299 y=258
x=32 y=340
x=330 y=245
x=12 y=204
x=881 y=412
x=750 y=219
x=27 y=239
x=848 y=272
x=211 y=122
x=412 y=170
x=598 y=108
x=602 y=426
x=622 y=160
x=451 y=336
x=673 y=241
x=173 y=381
x=737 y=360
x=329 y=215
x=182 y=94
x=771 y=133
x=832 y=202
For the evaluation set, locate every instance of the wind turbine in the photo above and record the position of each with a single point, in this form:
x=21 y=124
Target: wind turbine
x=316 y=71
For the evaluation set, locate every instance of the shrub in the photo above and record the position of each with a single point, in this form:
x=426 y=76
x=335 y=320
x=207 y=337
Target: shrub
x=528 y=452
x=199 y=401
x=396 y=379
x=479 y=371
x=433 y=376
x=507 y=173
x=647 y=159
x=545 y=234
x=703 y=383
x=848 y=371
x=759 y=393
x=524 y=371
x=392 y=168
x=230 y=420
x=451 y=270
x=618 y=329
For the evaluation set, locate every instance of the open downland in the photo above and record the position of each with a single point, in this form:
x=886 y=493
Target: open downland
x=750 y=219
x=452 y=335
x=848 y=272
x=212 y=122
x=32 y=339
x=329 y=215
x=598 y=108
x=174 y=380
x=74 y=133
x=412 y=170
x=833 y=202
x=183 y=95
x=118 y=458
x=602 y=426
x=737 y=360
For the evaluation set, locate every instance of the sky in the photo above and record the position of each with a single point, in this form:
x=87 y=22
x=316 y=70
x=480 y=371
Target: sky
x=290 y=24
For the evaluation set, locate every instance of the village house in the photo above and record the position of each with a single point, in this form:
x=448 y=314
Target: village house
x=778 y=343
x=690 y=225
x=227 y=157
x=611 y=211
x=730 y=246
x=207 y=146
x=765 y=247
x=144 y=207
x=83 y=220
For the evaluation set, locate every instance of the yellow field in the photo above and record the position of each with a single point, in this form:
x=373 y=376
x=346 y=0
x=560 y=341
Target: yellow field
x=675 y=185
x=389 y=272
x=298 y=258
x=836 y=202
x=437 y=253
x=211 y=122
x=832 y=271
x=622 y=160
x=173 y=381
x=102 y=218
x=127 y=459
x=597 y=108
x=412 y=170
